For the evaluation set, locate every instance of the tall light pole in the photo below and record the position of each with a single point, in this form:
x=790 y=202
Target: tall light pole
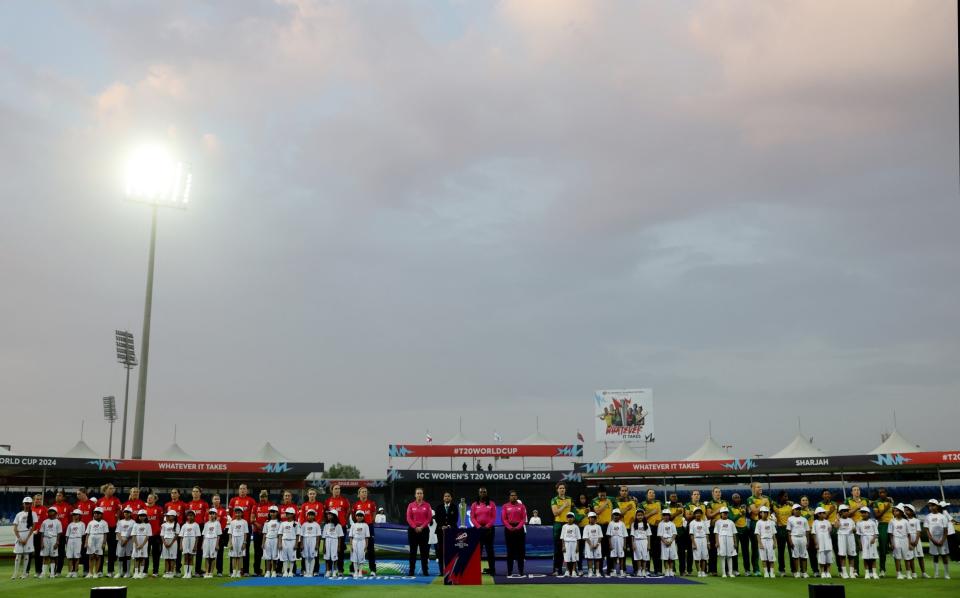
x=127 y=356
x=110 y=414
x=154 y=178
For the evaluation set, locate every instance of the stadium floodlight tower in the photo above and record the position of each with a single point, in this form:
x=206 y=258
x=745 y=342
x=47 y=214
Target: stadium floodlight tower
x=155 y=178
x=127 y=356
x=110 y=414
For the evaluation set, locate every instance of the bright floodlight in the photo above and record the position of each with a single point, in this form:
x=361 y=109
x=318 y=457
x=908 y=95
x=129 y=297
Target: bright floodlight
x=155 y=177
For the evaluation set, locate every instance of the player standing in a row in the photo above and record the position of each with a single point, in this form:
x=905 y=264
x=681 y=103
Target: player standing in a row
x=23 y=530
x=725 y=532
x=359 y=535
x=667 y=532
x=938 y=527
x=310 y=534
x=798 y=529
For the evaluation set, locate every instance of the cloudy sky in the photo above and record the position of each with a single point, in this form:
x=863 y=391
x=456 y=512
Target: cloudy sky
x=406 y=213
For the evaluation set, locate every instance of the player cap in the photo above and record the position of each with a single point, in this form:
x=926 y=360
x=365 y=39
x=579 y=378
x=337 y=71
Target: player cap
x=615 y=512
x=334 y=512
x=819 y=510
x=141 y=512
x=314 y=511
x=570 y=515
x=944 y=504
x=76 y=512
x=843 y=508
x=54 y=509
x=273 y=508
x=191 y=512
x=724 y=510
x=238 y=508
x=212 y=511
x=909 y=506
x=665 y=510
x=380 y=510
x=171 y=513
x=92 y=499
x=933 y=501
x=127 y=510
x=98 y=510
x=361 y=511
x=591 y=514
x=764 y=509
x=796 y=506
x=695 y=509
x=865 y=509
x=290 y=510
x=899 y=506
x=27 y=499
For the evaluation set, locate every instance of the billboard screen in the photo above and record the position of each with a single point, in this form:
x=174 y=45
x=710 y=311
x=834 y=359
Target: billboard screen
x=624 y=415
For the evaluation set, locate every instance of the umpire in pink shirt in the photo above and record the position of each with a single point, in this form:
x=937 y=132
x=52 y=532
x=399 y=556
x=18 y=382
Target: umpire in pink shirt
x=483 y=514
x=419 y=515
x=514 y=517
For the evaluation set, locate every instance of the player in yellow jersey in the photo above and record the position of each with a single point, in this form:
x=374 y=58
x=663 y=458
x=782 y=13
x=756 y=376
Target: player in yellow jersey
x=857 y=501
x=808 y=513
x=580 y=518
x=652 y=510
x=756 y=500
x=883 y=511
x=740 y=515
x=683 y=538
x=686 y=561
x=628 y=513
x=560 y=505
x=781 y=512
x=603 y=507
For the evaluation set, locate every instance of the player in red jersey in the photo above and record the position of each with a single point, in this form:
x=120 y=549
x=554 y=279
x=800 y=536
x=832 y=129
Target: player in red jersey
x=197 y=504
x=154 y=517
x=134 y=501
x=111 y=511
x=369 y=509
x=245 y=502
x=261 y=512
x=341 y=505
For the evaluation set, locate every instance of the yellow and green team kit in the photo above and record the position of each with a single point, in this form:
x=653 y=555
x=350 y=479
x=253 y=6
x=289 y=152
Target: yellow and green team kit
x=653 y=512
x=855 y=506
x=783 y=512
x=807 y=513
x=628 y=510
x=738 y=514
x=561 y=517
x=690 y=507
x=715 y=506
x=884 y=510
x=831 y=508
x=758 y=501
x=603 y=509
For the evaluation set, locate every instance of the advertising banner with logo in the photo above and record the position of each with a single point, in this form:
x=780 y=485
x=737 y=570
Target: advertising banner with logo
x=33 y=462
x=623 y=415
x=485 y=451
x=520 y=477
x=949 y=459
x=461 y=547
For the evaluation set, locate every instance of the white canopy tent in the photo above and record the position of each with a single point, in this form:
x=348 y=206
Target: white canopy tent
x=82 y=450
x=623 y=454
x=270 y=454
x=708 y=451
x=800 y=447
x=175 y=453
x=895 y=443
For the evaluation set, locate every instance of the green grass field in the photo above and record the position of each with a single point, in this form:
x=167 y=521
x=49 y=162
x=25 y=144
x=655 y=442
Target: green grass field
x=712 y=588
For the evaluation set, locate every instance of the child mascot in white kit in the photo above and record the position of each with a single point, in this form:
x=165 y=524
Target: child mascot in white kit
x=289 y=533
x=617 y=533
x=766 y=531
x=823 y=542
x=846 y=543
x=725 y=531
x=271 y=540
x=570 y=536
x=699 y=533
x=667 y=531
x=239 y=531
x=23 y=524
x=593 y=546
x=798 y=529
x=212 y=531
x=310 y=532
x=332 y=532
x=359 y=535
x=169 y=532
x=73 y=546
x=97 y=531
x=868 y=532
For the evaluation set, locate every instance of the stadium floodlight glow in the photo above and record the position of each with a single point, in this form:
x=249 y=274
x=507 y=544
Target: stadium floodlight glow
x=153 y=176
x=156 y=178
x=110 y=414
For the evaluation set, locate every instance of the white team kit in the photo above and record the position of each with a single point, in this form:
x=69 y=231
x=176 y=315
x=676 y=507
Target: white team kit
x=20 y=524
x=766 y=530
x=238 y=530
x=699 y=531
x=96 y=536
x=332 y=532
x=271 y=545
x=667 y=531
x=189 y=532
x=726 y=532
x=289 y=530
x=50 y=531
x=868 y=531
x=593 y=533
x=937 y=525
x=641 y=542
x=821 y=532
x=359 y=535
x=140 y=540
x=846 y=541
x=169 y=531
x=310 y=532
x=617 y=532
x=798 y=527
x=73 y=539
x=570 y=535
x=212 y=530
x=124 y=532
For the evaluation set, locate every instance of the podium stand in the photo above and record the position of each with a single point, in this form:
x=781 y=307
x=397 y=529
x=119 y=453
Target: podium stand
x=461 y=552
